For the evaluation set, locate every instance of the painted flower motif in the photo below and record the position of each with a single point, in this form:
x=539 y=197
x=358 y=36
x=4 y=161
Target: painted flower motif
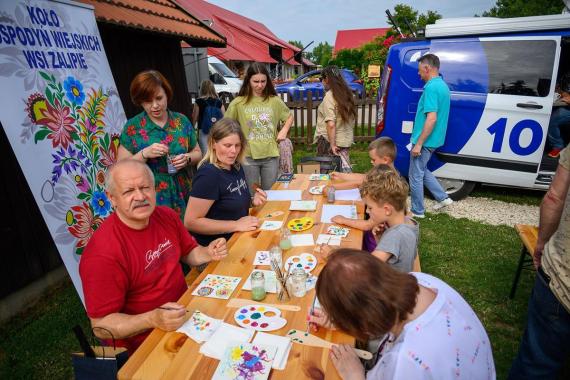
x=101 y=177
x=74 y=90
x=167 y=140
x=143 y=122
x=162 y=185
x=175 y=123
x=182 y=142
x=109 y=157
x=81 y=183
x=59 y=121
x=69 y=161
x=100 y=203
x=90 y=125
x=82 y=224
x=35 y=104
x=143 y=134
x=131 y=131
x=264 y=117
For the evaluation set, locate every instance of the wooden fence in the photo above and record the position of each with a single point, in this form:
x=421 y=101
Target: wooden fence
x=304 y=109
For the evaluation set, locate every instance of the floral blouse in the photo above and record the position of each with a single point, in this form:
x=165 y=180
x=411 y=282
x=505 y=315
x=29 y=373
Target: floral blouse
x=140 y=132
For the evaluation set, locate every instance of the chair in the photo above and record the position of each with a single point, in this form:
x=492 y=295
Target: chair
x=327 y=163
x=528 y=235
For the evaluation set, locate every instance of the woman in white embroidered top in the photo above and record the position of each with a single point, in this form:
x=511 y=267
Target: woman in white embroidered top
x=426 y=329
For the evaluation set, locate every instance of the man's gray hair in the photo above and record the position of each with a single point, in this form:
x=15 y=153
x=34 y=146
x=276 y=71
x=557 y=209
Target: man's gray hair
x=109 y=178
x=430 y=60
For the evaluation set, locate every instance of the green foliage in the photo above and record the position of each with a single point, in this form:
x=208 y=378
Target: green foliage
x=521 y=8
x=299 y=44
x=403 y=13
x=322 y=54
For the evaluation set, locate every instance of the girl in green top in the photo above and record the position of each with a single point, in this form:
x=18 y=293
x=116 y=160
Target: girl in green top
x=157 y=135
x=259 y=111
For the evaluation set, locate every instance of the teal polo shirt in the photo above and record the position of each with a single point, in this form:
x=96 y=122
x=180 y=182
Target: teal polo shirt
x=435 y=98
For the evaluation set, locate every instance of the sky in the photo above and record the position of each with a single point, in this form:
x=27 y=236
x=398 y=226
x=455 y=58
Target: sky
x=319 y=20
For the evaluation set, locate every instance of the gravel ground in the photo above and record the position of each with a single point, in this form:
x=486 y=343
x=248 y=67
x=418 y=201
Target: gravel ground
x=489 y=211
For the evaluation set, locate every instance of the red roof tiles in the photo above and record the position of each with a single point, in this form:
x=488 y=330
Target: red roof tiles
x=160 y=16
x=247 y=39
x=355 y=38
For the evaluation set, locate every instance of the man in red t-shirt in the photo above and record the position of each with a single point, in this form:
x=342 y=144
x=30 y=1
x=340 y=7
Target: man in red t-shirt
x=130 y=270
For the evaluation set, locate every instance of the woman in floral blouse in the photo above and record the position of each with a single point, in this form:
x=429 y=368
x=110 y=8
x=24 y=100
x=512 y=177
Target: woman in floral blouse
x=158 y=136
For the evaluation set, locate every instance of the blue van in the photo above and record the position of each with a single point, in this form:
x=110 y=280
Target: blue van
x=502 y=75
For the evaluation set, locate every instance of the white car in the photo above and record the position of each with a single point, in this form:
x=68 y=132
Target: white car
x=225 y=81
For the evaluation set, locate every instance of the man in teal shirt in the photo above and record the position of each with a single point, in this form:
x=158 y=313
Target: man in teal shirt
x=428 y=134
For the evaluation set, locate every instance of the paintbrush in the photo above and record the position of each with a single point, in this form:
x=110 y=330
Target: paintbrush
x=279 y=276
x=171 y=308
x=280 y=296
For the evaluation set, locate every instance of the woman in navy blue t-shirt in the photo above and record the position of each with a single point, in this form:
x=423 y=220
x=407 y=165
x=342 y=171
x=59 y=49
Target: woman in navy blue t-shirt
x=220 y=200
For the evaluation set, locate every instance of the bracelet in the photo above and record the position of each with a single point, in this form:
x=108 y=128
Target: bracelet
x=142 y=154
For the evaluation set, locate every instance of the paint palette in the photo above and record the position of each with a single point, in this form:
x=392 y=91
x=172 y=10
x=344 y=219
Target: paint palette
x=300 y=224
x=305 y=261
x=259 y=317
x=316 y=190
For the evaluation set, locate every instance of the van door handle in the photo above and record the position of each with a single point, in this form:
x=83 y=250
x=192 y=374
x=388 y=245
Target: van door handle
x=529 y=105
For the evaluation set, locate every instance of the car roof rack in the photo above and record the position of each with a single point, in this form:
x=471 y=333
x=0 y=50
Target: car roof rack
x=464 y=26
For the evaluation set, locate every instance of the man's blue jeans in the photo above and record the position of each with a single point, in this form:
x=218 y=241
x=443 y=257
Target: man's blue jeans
x=560 y=116
x=419 y=176
x=545 y=343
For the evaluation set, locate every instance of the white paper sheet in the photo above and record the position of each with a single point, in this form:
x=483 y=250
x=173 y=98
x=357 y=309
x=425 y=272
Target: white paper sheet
x=200 y=327
x=282 y=343
x=347 y=195
x=284 y=195
x=303 y=206
x=225 y=336
x=262 y=258
x=302 y=240
x=271 y=225
x=328 y=239
x=329 y=211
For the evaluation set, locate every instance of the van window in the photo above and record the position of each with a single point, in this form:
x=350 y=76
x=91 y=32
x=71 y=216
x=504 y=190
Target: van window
x=521 y=67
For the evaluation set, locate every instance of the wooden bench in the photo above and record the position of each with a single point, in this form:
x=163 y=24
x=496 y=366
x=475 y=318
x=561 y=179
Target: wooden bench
x=529 y=236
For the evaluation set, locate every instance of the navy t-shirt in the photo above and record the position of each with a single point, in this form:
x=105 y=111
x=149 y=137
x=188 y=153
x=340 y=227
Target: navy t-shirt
x=228 y=189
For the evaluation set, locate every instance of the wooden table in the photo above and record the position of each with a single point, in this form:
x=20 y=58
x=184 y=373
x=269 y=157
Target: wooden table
x=153 y=361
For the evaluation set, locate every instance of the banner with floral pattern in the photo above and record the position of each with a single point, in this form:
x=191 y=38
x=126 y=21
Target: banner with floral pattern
x=62 y=116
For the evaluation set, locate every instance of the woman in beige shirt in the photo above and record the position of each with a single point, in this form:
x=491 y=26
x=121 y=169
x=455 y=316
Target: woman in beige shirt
x=335 y=118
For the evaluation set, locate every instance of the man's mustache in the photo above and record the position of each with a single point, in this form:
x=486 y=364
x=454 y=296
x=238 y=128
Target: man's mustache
x=138 y=204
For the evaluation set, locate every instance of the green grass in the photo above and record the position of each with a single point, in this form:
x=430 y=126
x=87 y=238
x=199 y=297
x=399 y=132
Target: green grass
x=477 y=260
x=481 y=267
x=37 y=344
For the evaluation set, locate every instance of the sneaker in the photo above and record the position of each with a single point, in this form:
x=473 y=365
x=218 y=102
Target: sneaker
x=444 y=203
x=418 y=216
x=555 y=152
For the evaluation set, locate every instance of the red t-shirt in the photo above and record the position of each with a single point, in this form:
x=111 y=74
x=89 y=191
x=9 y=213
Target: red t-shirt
x=130 y=271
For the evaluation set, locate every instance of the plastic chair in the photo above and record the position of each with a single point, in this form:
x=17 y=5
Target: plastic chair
x=327 y=163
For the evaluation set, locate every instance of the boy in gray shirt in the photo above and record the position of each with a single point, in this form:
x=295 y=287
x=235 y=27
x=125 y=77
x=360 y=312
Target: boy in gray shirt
x=385 y=194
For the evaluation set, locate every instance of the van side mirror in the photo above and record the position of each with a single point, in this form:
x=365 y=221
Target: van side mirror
x=216 y=78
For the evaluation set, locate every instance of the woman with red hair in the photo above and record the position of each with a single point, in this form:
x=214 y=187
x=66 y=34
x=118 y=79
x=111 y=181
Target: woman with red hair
x=165 y=140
